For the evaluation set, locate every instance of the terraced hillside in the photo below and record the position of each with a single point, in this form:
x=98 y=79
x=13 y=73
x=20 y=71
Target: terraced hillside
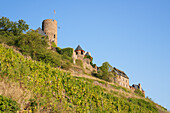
x=38 y=87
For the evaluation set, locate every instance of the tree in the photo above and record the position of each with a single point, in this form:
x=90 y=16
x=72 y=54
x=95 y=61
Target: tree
x=31 y=42
x=106 y=67
x=5 y=24
x=19 y=27
x=15 y=27
x=105 y=72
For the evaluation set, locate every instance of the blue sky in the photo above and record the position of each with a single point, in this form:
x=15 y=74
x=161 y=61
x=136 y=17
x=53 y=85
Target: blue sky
x=132 y=35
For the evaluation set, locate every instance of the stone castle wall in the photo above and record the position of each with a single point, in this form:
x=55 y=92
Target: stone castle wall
x=86 y=61
x=123 y=81
x=49 y=26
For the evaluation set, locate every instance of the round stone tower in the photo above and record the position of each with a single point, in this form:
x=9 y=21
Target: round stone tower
x=49 y=27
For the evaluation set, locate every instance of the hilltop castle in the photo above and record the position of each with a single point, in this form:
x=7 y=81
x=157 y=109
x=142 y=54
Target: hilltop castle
x=49 y=28
x=85 y=57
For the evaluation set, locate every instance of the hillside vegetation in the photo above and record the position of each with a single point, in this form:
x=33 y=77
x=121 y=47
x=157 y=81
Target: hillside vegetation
x=38 y=84
x=56 y=91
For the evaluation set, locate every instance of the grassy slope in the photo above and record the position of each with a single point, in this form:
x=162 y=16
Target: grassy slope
x=48 y=89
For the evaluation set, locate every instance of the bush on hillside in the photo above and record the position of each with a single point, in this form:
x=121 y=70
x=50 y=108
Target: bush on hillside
x=58 y=49
x=31 y=42
x=47 y=56
x=79 y=62
x=66 y=66
x=65 y=57
x=105 y=72
x=138 y=92
x=67 y=51
x=8 y=105
x=53 y=44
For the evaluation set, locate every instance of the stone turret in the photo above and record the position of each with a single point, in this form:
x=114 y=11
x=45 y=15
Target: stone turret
x=49 y=27
x=79 y=52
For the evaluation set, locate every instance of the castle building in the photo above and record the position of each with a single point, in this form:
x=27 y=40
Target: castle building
x=49 y=28
x=80 y=54
x=121 y=78
x=136 y=87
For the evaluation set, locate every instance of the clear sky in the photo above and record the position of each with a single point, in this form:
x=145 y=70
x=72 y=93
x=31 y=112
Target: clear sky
x=132 y=35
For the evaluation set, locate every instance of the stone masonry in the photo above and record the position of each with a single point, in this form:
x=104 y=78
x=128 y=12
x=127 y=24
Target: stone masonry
x=49 y=27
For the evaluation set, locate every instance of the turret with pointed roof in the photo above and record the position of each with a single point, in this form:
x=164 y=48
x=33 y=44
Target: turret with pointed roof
x=79 y=48
x=79 y=52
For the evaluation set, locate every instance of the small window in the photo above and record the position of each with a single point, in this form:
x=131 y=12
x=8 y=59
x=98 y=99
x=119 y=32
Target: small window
x=76 y=53
x=82 y=52
x=54 y=35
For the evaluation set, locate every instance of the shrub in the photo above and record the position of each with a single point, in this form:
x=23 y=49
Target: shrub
x=138 y=92
x=79 y=62
x=58 y=49
x=66 y=66
x=65 y=57
x=8 y=105
x=67 y=51
x=53 y=44
x=47 y=56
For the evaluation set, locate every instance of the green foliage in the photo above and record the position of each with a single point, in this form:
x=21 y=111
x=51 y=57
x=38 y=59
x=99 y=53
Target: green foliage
x=89 y=57
x=93 y=65
x=91 y=60
x=138 y=92
x=57 y=91
x=7 y=105
x=33 y=105
x=47 y=56
x=66 y=66
x=67 y=51
x=15 y=27
x=106 y=67
x=5 y=23
x=105 y=72
x=79 y=62
x=8 y=38
x=32 y=42
x=34 y=45
x=58 y=49
x=144 y=104
x=53 y=44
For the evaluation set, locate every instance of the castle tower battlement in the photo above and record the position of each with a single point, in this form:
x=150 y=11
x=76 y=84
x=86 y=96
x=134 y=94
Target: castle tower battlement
x=49 y=27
